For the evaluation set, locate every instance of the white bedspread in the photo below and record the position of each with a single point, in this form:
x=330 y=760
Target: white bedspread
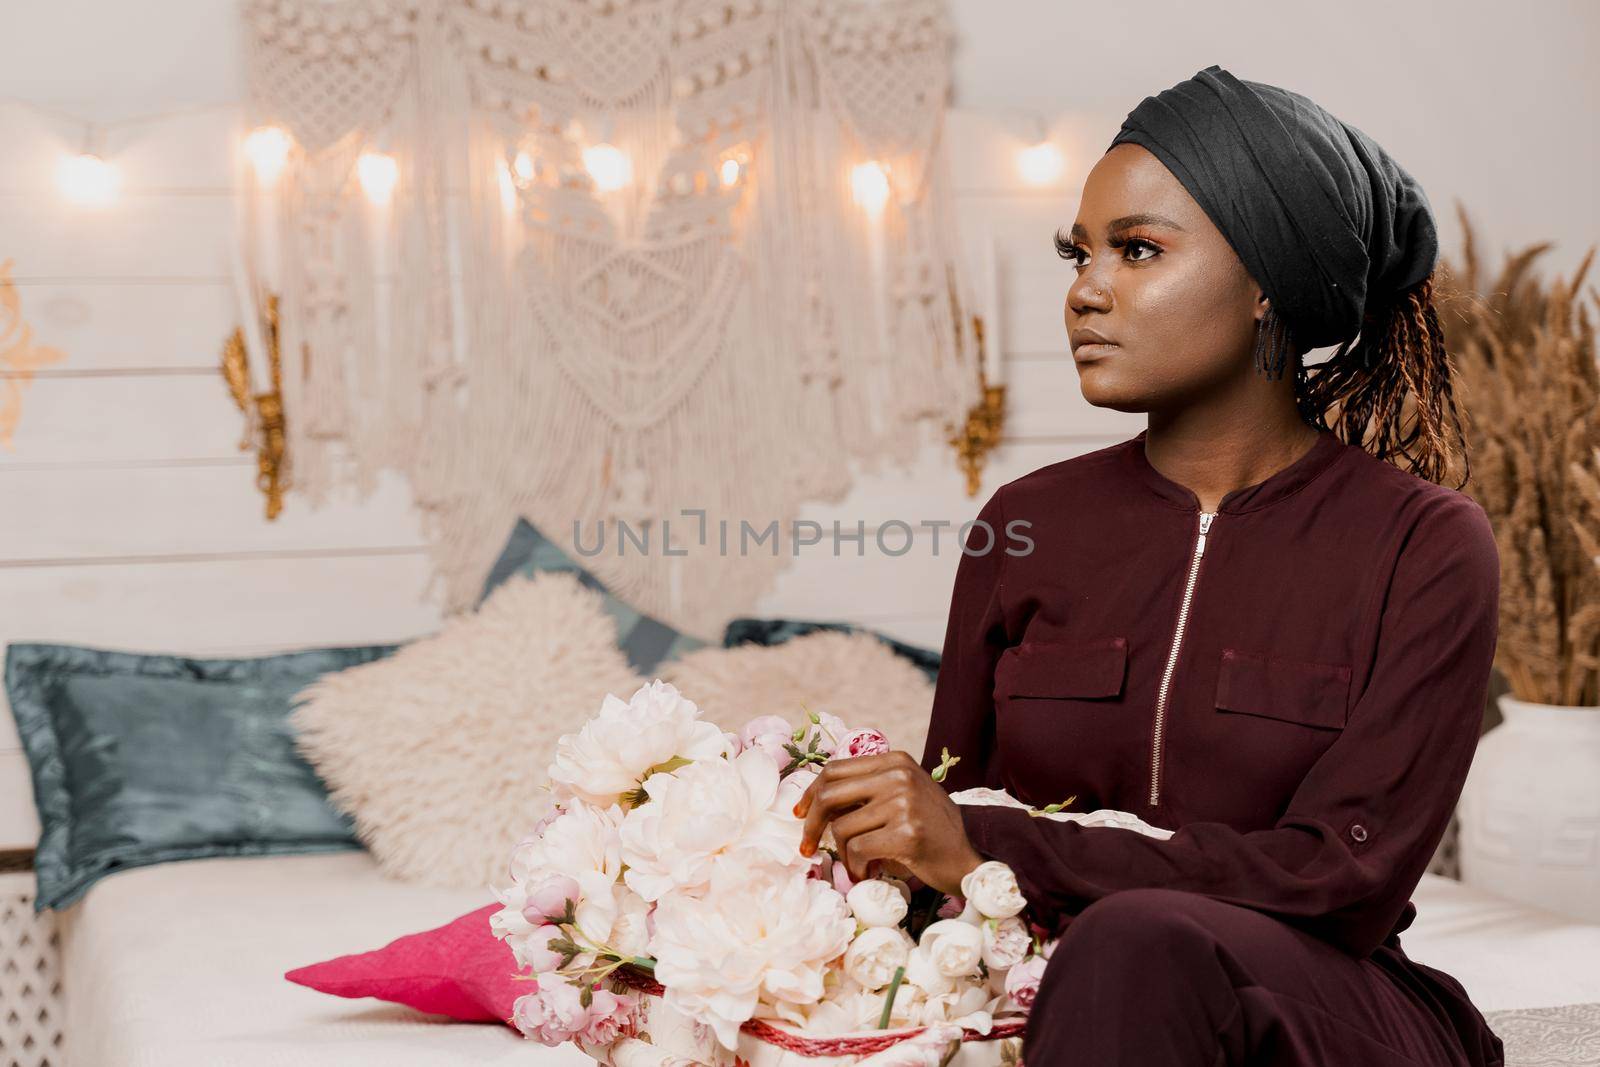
x=181 y=965
x=1506 y=954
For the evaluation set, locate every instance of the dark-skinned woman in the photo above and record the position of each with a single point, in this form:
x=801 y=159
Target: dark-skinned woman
x=1264 y=623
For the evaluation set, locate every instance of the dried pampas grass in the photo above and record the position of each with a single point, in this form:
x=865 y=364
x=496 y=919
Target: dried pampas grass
x=1525 y=359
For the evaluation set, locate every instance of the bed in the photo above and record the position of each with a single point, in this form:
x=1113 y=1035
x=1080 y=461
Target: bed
x=180 y=965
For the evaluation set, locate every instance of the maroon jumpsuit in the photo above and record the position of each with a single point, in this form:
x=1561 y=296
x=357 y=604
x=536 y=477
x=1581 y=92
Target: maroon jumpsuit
x=1296 y=691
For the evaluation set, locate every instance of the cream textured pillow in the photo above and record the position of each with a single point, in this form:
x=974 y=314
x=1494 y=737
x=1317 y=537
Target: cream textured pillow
x=851 y=675
x=439 y=751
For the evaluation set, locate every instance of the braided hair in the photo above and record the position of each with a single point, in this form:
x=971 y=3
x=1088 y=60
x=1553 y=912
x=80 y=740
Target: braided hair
x=1390 y=385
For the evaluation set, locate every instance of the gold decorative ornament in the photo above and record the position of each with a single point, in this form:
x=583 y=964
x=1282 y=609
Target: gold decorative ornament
x=981 y=432
x=263 y=412
x=19 y=356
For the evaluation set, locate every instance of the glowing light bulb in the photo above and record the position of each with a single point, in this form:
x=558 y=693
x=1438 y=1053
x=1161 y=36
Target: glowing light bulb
x=1041 y=164
x=88 y=180
x=609 y=166
x=379 y=174
x=869 y=185
x=267 y=148
x=731 y=171
x=522 y=168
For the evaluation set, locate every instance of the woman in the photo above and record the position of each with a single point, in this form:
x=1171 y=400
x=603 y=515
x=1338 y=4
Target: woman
x=1240 y=625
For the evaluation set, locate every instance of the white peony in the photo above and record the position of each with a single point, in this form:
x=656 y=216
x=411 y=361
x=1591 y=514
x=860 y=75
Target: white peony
x=606 y=761
x=1006 y=942
x=716 y=811
x=584 y=844
x=923 y=974
x=877 y=902
x=767 y=937
x=991 y=887
x=955 y=948
x=875 y=954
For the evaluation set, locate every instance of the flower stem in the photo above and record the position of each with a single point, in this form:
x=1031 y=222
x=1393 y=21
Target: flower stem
x=888 y=1000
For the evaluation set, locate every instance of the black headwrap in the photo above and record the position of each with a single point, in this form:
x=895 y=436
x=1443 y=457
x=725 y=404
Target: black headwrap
x=1323 y=219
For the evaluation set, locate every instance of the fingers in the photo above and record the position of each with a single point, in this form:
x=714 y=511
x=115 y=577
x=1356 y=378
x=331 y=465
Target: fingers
x=827 y=799
x=880 y=844
x=859 y=767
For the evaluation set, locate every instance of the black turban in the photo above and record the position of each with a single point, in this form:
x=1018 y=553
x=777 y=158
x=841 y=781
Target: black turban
x=1324 y=220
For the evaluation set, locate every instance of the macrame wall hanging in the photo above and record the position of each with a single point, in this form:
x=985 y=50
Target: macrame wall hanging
x=597 y=262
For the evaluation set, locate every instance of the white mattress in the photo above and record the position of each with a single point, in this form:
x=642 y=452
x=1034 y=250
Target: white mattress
x=1507 y=955
x=181 y=965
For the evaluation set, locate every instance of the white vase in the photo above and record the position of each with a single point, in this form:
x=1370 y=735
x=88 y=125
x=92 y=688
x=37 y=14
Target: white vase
x=1530 y=810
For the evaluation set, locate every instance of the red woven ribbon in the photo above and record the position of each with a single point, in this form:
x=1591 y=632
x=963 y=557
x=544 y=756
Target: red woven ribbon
x=820 y=1046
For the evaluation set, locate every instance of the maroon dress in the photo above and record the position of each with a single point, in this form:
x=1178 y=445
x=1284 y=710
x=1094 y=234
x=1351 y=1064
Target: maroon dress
x=1294 y=684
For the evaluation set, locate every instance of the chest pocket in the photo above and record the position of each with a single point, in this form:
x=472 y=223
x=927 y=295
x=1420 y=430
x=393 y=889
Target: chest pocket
x=1272 y=687
x=1075 y=669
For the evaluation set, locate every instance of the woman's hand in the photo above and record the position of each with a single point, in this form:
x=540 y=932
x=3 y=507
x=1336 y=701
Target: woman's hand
x=888 y=808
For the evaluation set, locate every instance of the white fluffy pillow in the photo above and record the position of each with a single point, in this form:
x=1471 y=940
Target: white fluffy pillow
x=439 y=751
x=852 y=675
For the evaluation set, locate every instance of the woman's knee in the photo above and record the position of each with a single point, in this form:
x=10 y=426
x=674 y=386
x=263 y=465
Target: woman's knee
x=1131 y=938
x=1153 y=918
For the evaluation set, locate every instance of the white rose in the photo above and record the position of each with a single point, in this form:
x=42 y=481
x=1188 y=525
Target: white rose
x=875 y=954
x=716 y=811
x=924 y=974
x=876 y=902
x=991 y=887
x=767 y=937
x=607 y=760
x=955 y=947
x=1005 y=942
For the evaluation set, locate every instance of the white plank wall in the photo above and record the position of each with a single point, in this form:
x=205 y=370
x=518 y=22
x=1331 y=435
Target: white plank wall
x=130 y=517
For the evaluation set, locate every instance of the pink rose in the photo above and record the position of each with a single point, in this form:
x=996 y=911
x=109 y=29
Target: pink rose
x=1022 y=981
x=553 y=1013
x=952 y=908
x=862 y=743
x=610 y=1016
x=548 y=898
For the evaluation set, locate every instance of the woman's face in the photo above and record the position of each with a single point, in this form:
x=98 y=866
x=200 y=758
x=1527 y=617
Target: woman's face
x=1158 y=280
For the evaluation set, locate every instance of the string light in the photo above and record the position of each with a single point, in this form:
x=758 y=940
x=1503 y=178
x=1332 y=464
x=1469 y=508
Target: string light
x=88 y=180
x=608 y=165
x=730 y=171
x=1041 y=163
x=869 y=185
x=267 y=148
x=379 y=174
x=522 y=168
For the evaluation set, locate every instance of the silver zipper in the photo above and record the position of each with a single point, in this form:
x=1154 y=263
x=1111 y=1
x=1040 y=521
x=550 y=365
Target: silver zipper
x=1172 y=658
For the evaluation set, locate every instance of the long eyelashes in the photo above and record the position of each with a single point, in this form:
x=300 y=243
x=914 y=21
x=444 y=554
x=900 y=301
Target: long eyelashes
x=1070 y=252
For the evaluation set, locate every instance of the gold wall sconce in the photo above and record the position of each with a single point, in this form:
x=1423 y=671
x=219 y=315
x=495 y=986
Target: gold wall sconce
x=981 y=432
x=263 y=411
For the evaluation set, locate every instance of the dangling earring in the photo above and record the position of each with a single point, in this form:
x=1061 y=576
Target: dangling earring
x=1272 y=346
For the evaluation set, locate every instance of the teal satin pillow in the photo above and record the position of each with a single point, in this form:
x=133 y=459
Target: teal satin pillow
x=141 y=759
x=749 y=630
x=646 y=641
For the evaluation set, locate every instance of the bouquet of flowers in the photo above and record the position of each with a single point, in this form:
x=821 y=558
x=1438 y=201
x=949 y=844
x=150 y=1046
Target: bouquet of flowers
x=663 y=908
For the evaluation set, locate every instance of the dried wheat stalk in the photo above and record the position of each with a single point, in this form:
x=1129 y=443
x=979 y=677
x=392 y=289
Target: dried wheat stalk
x=1530 y=396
